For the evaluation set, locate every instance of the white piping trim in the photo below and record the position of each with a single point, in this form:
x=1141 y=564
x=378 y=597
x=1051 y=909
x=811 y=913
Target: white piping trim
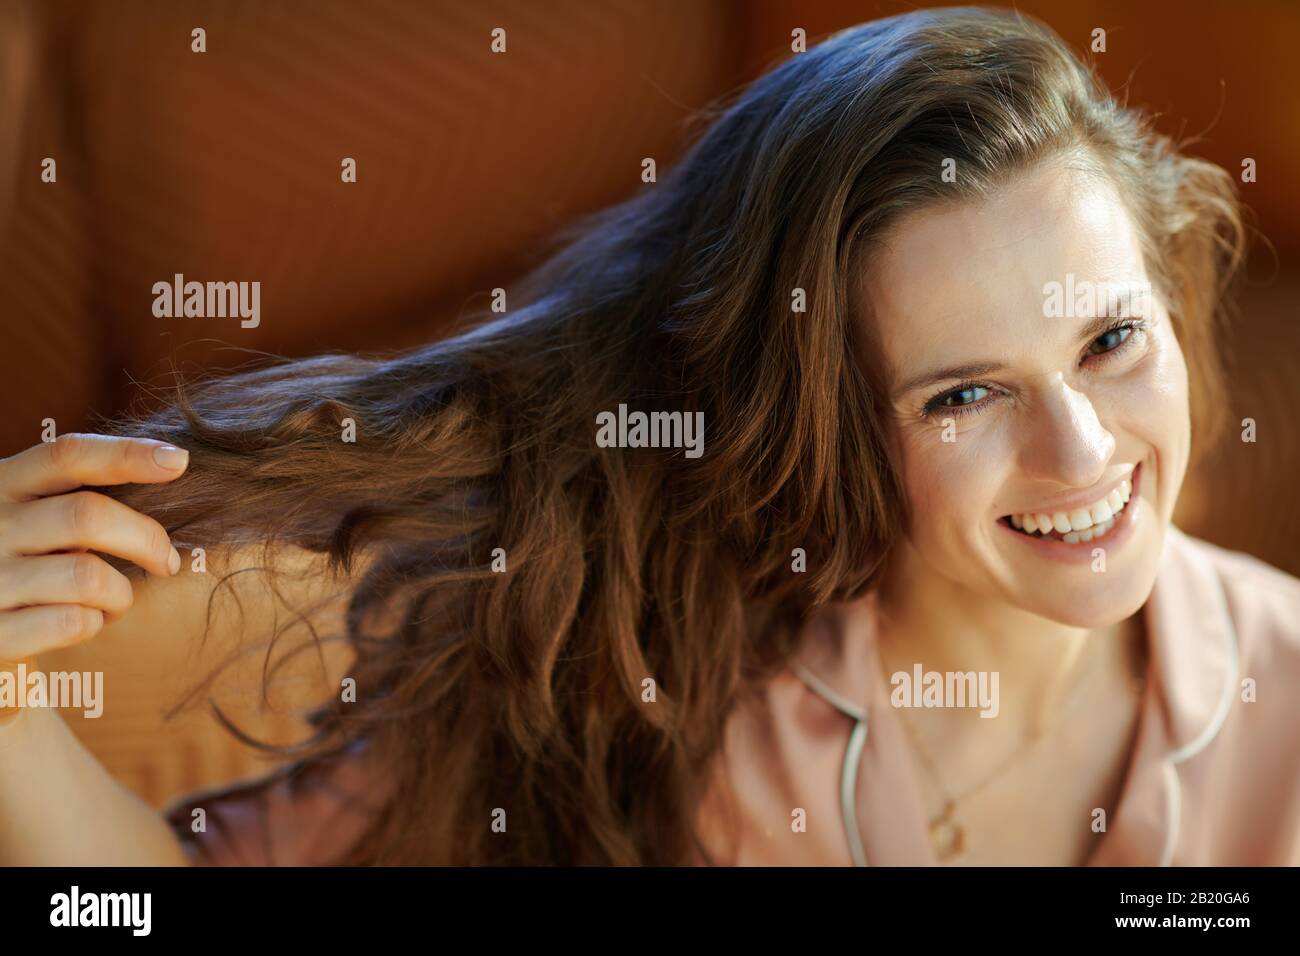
x=1229 y=688
x=835 y=700
x=1169 y=771
x=852 y=759
x=1173 y=810
x=1173 y=786
x=849 y=792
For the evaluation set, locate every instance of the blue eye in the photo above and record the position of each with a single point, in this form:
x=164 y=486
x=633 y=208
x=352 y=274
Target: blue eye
x=1114 y=344
x=961 y=400
x=1109 y=341
x=966 y=395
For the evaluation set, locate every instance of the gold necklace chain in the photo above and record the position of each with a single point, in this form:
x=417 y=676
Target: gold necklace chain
x=946 y=833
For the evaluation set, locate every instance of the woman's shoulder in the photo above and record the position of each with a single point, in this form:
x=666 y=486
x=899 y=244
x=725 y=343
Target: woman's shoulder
x=308 y=813
x=1231 y=664
x=1262 y=601
x=1232 y=636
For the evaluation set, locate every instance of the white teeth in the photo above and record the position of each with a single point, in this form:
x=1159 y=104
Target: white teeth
x=1088 y=534
x=1081 y=524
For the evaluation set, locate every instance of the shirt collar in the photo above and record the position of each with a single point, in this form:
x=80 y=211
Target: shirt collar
x=1191 y=679
x=1192 y=676
x=1193 y=646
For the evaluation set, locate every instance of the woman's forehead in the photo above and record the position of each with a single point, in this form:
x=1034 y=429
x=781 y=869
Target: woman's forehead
x=980 y=269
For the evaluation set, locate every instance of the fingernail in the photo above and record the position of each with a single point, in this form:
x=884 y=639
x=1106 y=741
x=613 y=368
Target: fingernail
x=174 y=562
x=171 y=457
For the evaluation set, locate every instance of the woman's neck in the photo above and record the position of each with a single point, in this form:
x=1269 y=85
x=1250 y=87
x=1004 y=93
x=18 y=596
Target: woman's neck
x=929 y=620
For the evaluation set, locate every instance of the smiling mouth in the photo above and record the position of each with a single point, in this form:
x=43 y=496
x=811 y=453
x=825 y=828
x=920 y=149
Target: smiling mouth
x=1079 y=525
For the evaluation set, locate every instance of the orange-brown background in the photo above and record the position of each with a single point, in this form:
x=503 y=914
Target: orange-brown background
x=225 y=166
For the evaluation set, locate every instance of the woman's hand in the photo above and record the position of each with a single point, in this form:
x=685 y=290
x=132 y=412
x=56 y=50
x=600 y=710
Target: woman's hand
x=53 y=591
x=58 y=805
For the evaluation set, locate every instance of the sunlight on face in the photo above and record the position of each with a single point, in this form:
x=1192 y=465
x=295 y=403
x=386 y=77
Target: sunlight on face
x=1021 y=413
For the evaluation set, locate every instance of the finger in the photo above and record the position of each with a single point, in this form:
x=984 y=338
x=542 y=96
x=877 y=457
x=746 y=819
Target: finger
x=8 y=709
x=36 y=630
x=80 y=578
x=73 y=460
x=89 y=521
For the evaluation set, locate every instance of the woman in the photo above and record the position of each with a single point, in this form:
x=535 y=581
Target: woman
x=945 y=312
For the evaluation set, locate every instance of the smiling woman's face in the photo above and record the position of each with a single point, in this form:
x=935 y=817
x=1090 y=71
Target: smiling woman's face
x=1014 y=408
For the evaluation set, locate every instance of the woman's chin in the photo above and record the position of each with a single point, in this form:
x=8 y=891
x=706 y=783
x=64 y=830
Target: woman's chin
x=1096 y=605
x=1101 y=589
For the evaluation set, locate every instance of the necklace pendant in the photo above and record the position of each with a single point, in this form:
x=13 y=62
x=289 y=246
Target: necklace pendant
x=946 y=834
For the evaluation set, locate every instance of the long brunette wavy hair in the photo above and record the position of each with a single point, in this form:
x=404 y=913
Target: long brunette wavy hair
x=524 y=689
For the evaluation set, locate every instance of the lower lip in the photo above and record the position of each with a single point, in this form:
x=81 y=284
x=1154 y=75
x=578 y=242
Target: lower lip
x=1081 y=553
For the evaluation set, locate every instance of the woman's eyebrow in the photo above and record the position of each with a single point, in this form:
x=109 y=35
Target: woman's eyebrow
x=1090 y=329
x=947 y=374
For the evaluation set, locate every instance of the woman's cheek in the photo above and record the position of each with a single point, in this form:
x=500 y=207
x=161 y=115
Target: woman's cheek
x=951 y=483
x=1143 y=396
x=1147 y=411
x=1166 y=421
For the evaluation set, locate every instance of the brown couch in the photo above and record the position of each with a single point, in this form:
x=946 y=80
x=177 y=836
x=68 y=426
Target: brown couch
x=225 y=165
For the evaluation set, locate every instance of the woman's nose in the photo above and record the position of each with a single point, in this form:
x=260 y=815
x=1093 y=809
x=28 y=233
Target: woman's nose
x=1067 y=443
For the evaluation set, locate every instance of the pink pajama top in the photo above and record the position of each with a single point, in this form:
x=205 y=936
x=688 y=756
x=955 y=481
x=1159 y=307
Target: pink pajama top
x=1213 y=779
